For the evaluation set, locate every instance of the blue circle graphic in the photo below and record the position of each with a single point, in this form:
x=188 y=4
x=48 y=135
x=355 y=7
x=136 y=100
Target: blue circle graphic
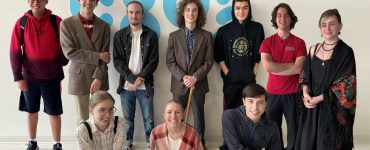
x=74 y=7
x=224 y=15
x=107 y=18
x=107 y=2
x=222 y=2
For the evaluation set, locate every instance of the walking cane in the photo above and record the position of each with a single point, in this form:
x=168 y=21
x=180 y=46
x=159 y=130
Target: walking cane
x=189 y=104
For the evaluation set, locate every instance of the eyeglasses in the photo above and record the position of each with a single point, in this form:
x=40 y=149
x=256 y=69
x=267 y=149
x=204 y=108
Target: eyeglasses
x=104 y=111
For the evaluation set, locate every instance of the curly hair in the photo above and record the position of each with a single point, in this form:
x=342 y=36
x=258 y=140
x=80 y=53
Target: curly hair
x=201 y=20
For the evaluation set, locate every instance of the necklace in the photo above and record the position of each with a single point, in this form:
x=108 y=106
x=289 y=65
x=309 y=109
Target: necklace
x=323 y=47
x=322 y=54
x=331 y=43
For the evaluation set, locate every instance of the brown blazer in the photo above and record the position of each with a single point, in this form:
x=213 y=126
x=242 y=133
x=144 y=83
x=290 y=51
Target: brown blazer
x=179 y=63
x=83 y=54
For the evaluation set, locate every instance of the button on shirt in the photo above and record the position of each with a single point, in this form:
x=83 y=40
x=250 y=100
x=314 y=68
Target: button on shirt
x=190 y=40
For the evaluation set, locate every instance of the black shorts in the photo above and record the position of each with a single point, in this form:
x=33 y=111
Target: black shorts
x=50 y=92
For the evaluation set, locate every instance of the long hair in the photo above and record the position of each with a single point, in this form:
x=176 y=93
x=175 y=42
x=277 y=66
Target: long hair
x=201 y=20
x=293 y=17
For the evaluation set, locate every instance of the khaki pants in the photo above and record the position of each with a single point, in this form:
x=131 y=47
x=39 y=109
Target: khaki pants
x=82 y=108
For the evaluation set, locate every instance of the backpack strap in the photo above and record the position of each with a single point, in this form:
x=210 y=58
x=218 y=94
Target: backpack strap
x=53 y=20
x=88 y=130
x=22 y=26
x=115 y=124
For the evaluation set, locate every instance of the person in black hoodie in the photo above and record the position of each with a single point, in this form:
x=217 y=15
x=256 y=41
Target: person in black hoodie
x=236 y=50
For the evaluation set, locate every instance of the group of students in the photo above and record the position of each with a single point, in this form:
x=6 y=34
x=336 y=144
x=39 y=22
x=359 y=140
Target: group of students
x=316 y=92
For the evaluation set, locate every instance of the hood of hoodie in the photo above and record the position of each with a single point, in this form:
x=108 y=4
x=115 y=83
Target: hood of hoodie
x=249 y=18
x=47 y=14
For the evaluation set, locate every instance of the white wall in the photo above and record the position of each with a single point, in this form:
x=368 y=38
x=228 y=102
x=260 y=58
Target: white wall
x=355 y=32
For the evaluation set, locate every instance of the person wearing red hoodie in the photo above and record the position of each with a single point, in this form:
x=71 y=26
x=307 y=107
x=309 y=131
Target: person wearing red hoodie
x=37 y=69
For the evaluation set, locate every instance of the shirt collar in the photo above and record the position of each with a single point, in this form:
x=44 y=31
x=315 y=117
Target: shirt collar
x=87 y=21
x=95 y=129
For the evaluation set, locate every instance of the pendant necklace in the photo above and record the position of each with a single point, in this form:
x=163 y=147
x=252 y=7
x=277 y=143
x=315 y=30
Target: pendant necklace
x=327 y=50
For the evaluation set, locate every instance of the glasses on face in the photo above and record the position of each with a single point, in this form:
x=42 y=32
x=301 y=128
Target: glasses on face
x=103 y=111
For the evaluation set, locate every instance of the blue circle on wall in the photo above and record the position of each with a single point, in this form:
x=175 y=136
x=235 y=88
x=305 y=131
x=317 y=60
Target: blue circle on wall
x=107 y=2
x=107 y=18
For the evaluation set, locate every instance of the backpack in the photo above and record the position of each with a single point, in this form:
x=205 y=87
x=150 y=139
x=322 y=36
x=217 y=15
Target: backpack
x=90 y=132
x=53 y=20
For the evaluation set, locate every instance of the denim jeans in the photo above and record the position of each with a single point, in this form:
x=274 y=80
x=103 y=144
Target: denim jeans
x=128 y=103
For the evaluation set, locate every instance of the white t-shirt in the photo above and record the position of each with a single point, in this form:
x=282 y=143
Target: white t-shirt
x=173 y=144
x=136 y=63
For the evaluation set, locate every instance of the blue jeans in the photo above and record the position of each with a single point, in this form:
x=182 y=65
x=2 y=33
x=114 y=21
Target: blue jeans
x=128 y=103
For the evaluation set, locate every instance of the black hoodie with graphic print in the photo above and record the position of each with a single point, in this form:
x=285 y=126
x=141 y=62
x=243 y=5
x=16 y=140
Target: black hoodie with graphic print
x=237 y=44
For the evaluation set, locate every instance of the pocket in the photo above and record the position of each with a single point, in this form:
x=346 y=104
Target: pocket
x=74 y=69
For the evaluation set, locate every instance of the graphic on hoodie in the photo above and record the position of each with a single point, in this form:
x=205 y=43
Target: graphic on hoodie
x=241 y=46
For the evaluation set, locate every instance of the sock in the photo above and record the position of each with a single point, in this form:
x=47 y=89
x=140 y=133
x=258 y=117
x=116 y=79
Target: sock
x=33 y=140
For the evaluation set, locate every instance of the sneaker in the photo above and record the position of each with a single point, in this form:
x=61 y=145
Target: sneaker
x=128 y=147
x=57 y=146
x=32 y=145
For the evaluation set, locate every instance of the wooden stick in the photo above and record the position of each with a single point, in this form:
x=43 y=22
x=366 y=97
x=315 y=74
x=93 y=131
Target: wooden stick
x=189 y=104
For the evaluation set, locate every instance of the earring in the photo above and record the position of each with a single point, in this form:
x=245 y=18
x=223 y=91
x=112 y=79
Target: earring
x=321 y=35
x=339 y=33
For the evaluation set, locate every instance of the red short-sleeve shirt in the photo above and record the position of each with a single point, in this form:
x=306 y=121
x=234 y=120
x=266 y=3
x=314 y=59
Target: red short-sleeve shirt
x=283 y=51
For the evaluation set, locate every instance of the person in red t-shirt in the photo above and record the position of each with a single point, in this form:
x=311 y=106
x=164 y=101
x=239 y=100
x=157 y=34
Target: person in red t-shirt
x=283 y=56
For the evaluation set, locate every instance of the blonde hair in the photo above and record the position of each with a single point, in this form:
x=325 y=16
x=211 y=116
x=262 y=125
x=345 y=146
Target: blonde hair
x=176 y=102
x=100 y=96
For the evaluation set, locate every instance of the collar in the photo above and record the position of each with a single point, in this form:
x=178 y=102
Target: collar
x=95 y=129
x=86 y=21
x=127 y=29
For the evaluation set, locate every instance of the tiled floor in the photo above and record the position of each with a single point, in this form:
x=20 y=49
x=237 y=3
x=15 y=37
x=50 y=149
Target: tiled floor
x=16 y=143
x=73 y=146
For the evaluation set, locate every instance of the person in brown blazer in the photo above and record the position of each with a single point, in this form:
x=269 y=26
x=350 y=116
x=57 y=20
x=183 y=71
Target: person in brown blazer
x=190 y=58
x=85 y=42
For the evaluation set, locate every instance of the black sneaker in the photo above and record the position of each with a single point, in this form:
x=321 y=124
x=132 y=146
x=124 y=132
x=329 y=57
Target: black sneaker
x=57 y=146
x=32 y=145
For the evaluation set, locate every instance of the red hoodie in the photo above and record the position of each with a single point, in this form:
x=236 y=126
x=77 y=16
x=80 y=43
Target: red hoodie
x=44 y=58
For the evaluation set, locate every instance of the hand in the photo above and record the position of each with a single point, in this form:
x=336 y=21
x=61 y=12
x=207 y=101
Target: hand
x=105 y=56
x=189 y=81
x=95 y=85
x=312 y=103
x=131 y=87
x=307 y=101
x=22 y=85
x=139 y=81
x=225 y=72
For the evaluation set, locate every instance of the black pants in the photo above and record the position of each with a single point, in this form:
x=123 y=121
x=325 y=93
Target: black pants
x=233 y=95
x=286 y=104
x=197 y=107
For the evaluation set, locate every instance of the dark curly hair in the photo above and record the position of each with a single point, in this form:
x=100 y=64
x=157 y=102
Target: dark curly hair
x=293 y=17
x=201 y=20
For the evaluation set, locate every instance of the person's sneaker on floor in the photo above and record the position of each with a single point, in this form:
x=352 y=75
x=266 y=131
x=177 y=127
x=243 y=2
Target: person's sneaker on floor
x=57 y=146
x=128 y=147
x=32 y=145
